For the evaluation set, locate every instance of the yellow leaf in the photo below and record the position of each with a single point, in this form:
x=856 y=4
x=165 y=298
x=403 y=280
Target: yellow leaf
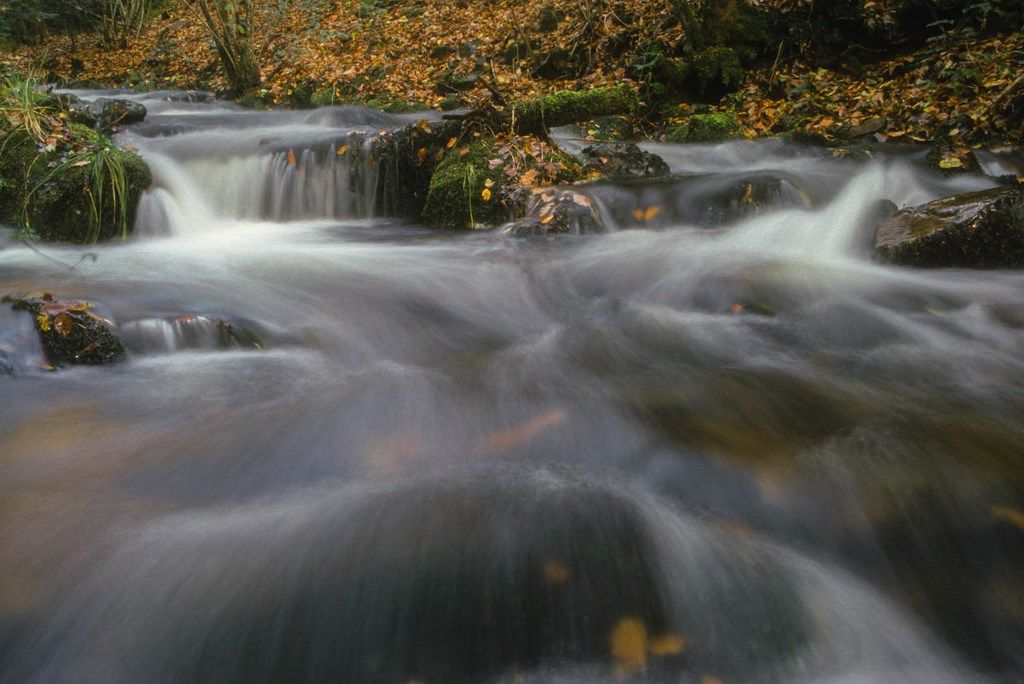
x=423 y=125
x=547 y=218
x=629 y=646
x=667 y=645
x=43 y=321
x=486 y=194
x=421 y=155
x=488 y=183
x=646 y=214
x=896 y=134
x=342 y=150
x=451 y=143
x=951 y=163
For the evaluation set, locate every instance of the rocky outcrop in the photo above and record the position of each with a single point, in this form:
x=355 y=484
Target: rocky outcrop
x=974 y=230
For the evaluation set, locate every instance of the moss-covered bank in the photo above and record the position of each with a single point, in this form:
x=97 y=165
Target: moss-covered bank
x=82 y=191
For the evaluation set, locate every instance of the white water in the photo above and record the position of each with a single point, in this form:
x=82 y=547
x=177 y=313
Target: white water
x=801 y=487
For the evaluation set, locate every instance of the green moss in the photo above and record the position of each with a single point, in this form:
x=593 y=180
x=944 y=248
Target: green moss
x=706 y=128
x=454 y=199
x=568 y=106
x=56 y=197
x=718 y=70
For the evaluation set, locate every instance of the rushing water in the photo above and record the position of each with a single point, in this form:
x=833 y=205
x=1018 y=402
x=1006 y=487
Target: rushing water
x=443 y=458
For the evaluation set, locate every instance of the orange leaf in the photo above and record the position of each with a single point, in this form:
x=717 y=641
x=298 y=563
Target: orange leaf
x=451 y=143
x=667 y=645
x=342 y=150
x=63 y=323
x=291 y=158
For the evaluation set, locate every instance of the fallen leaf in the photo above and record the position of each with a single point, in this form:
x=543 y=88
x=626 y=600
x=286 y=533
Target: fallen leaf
x=556 y=572
x=628 y=643
x=1011 y=515
x=667 y=645
x=63 y=324
x=342 y=150
x=486 y=194
x=291 y=160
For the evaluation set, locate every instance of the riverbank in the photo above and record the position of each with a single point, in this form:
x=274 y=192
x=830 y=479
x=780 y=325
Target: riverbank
x=960 y=87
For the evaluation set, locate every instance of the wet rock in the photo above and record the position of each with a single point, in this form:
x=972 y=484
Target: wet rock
x=557 y=212
x=105 y=114
x=976 y=230
x=624 y=160
x=163 y=335
x=70 y=332
x=950 y=162
x=750 y=196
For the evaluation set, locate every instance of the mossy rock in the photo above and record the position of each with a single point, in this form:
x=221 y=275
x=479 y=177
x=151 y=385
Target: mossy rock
x=455 y=199
x=50 y=195
x=706 y=128
x=465 y=192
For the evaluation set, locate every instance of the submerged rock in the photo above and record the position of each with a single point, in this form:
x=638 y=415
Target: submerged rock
x=162 y=335
x=623 y=160
x=557 y=212
x=71 y=334
x=976 y=230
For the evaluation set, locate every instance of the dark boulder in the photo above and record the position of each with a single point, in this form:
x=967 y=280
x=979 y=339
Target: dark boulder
x=975 y=230
x=163 y=335
x=623 y=160
x=105 y=114
x=557 y=212
x=71 y=334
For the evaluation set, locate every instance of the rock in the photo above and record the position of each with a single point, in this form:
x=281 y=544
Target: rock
x=467 y=49
x=975 y=230
x=623 y=160
x=105 y=114
x=60 y=205
x=949 y=162
x=558 y=212
x=454 y=83
x=706 y=128
x=867 y=128
x=749 y=196
x=70 y=332
x=162 y=335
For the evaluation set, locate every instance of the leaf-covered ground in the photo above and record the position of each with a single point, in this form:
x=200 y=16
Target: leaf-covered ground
x=399 y=51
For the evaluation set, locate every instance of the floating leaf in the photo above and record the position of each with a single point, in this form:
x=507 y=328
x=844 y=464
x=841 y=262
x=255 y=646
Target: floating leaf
x=556 y=572
x=667 y=645
x=628 y=643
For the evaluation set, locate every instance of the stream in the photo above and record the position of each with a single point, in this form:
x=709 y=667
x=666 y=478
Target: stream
x=721 y=446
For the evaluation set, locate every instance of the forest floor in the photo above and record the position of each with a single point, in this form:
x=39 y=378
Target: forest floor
x=951 y=90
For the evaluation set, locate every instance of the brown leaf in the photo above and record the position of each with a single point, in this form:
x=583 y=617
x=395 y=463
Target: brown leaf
x=63 y=323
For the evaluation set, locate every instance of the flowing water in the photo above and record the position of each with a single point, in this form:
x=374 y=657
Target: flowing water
x=723 y=445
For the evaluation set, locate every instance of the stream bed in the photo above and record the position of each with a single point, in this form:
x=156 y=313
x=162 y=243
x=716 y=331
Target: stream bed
x=724 y=445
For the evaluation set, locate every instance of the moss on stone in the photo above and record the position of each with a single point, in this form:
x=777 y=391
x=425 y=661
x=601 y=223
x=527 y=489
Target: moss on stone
x=706 y=128
x=455 y=197
x=51 y=196
x=568 y=106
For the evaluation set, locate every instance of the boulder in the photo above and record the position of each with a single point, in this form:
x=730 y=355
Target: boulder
x=623 y=160
x=557 y=212
x=71 y=334
x=974 y=230
x=105 y=114
x=706 y=128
